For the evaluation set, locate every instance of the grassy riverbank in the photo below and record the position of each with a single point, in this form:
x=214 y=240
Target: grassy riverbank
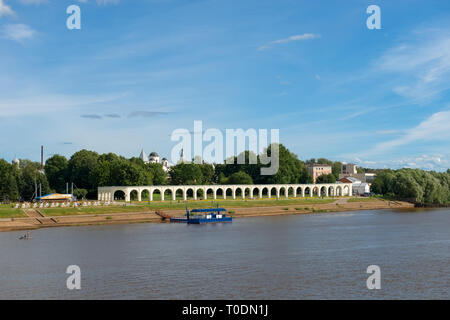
x=178 y=205
x=7 y=212
x=145 y=212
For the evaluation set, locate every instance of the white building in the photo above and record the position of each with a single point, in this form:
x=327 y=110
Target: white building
x=361 y=188
x=358 y=187
x=154 y=158
x=16 y=162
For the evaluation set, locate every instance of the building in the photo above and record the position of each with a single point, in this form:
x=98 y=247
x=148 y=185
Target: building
x=316 y=170
x=182 y=158
x=349 y=168
x=154 y=158
x=358 y=187
x=143 y=156
x=364 y=177
x=16 y=162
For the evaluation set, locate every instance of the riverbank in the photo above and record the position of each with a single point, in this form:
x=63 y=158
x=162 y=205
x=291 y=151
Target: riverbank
x=35 y=219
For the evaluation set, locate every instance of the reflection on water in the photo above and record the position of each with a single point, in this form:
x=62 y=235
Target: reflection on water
x=319 y=256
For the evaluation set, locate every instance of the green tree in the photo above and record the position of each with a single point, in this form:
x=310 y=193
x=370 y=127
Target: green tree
x=159 y=176
x=56 y=172
x=9 y=189
x=82 y=170
x=336 y=168
x=291 y=169
x=239 y=178
x=207 y=173
x=80 y=193
x=326 y=178
x=29 y=177
x=127 y=173
x=186 y=173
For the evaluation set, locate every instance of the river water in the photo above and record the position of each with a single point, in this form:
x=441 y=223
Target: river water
x=315 y=256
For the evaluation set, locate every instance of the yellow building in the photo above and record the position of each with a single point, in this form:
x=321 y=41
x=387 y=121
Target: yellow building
x=316 y=170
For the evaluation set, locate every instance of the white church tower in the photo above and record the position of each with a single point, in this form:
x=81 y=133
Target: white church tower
x=143 y=156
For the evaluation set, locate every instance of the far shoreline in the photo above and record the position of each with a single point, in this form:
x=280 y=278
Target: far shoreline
x=149 y=216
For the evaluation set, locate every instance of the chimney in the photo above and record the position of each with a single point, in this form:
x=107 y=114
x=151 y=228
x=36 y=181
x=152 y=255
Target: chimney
x=42 y=157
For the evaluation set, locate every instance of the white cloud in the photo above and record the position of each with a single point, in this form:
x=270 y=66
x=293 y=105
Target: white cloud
x=299 y=37
x=5 y=10
x=17 y=32
x=433 y=130
x=436 y=128
x=426 y=162
x=424 y=64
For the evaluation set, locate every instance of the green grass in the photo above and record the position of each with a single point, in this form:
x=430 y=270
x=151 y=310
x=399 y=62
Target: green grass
x=52 y=212
x=248 y=203
x=363 y=199
x=8 y=212
x=172 y=205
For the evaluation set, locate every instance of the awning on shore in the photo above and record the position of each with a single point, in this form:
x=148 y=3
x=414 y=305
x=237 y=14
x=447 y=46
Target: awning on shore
x=55 y=197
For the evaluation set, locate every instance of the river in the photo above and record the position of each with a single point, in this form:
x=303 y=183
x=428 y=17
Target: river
x=311 y=256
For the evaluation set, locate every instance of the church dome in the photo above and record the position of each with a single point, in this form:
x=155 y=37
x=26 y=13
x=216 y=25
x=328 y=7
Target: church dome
x=154 y=154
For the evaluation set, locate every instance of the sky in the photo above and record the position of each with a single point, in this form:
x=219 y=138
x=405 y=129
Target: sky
x=139 y=69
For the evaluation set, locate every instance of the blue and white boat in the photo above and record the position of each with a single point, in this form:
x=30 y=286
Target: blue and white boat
x=200 y=216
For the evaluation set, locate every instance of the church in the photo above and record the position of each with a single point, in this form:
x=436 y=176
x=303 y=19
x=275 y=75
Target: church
x=154 y=158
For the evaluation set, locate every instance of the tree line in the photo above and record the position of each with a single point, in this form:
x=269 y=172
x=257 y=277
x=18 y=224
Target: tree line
x=89 y=170
x=419 y=186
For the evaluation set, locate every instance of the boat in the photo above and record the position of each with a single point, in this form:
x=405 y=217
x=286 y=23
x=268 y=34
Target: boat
x=201 y=216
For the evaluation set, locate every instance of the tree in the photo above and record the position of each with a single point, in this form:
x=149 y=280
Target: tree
x=127 y=173
x=326 y=178
x=82 y=170
x=159 y=176
x=418 y=185
x=383 y=182
x=9 y=189
x=56 y=172
x=207 y=173
x=80 y=193
x=325 y=161
x=291 y=169
x=240 y=178
x=336 y=169
x=186 y=173
x=31 y=177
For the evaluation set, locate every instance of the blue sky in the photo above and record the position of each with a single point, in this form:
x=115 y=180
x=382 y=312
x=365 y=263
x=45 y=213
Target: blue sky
x=139 y=69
